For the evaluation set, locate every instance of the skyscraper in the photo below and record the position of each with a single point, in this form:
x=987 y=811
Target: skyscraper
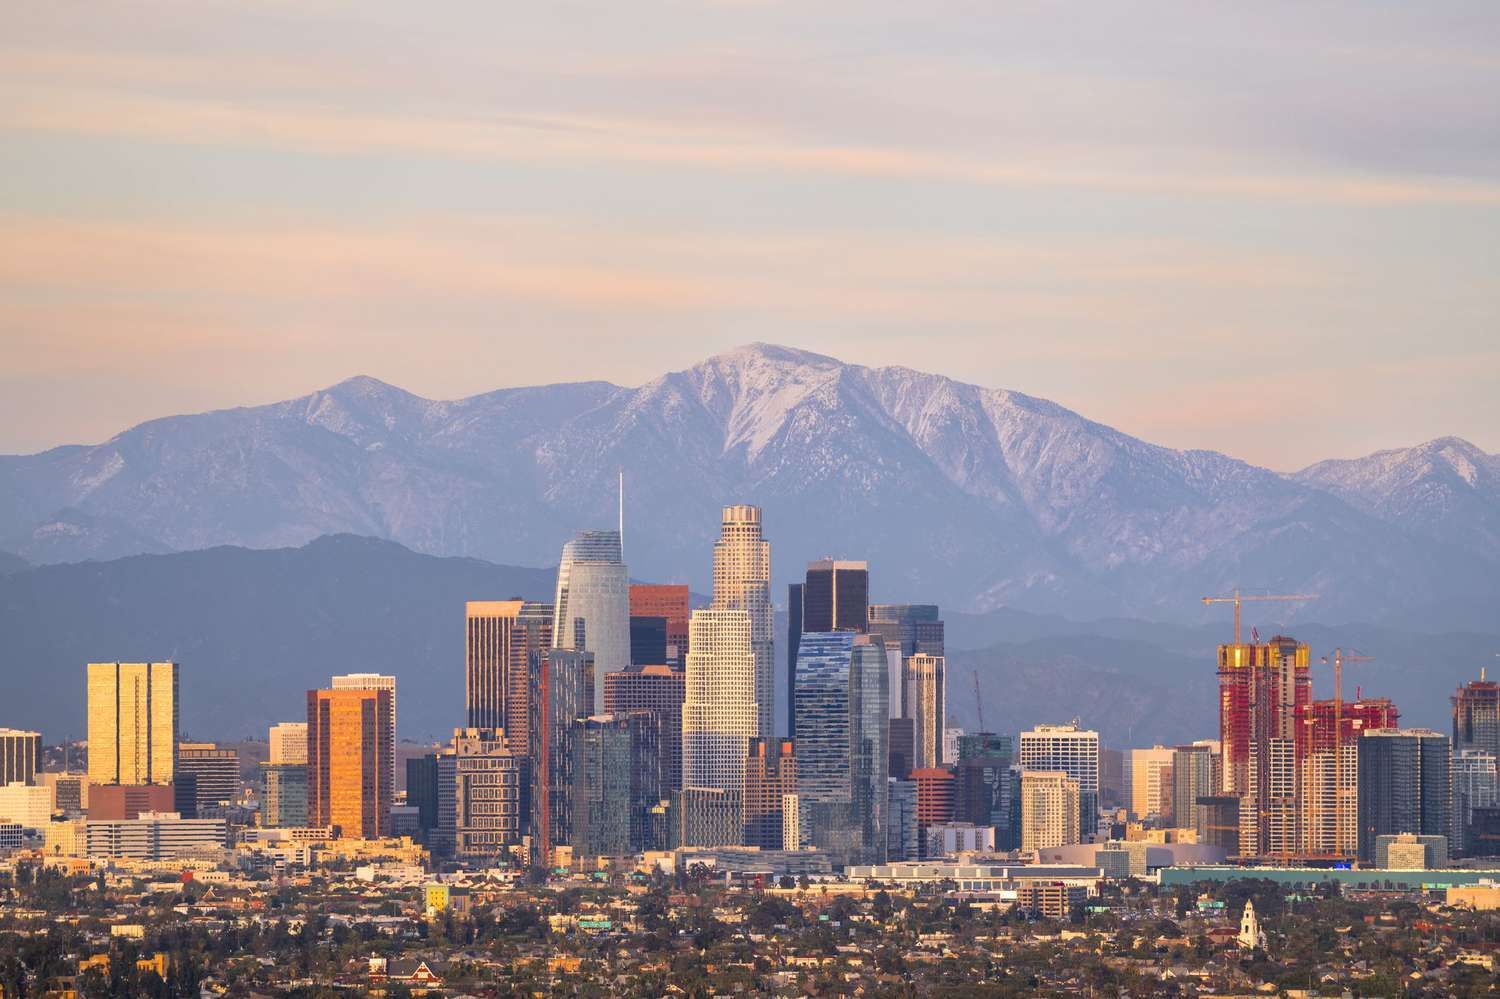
x=499 y=637
x=616 y=784
x=1193 y=772
x=284 y=803
x=742 y=581
x=562 y=691
x=215 y=773
x=669 y=601
x=1073 y=751
x=1476 y=787
x=349 y=781
x=719 y=712
x=770 y=775
x=374 y=681
x=834 y=597
x=926 y=700
x=20 y=756
x=1404 y=786
x=1476 y=717
x=1327 y=771
x=659 y=690
x=1145 y=781
x=132 y=720
x=843 y=750
x=593 y=604
x=908 y=628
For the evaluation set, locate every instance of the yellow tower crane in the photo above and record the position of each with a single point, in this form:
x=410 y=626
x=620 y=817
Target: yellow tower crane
x=1238 y=599
x=1339 y=658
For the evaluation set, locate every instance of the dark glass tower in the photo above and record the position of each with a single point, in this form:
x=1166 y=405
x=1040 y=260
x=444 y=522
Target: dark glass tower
x=793 y=640
x=834 y=597
x=1404 y=785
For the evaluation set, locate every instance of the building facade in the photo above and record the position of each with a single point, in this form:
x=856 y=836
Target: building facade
x=742 y=581
x=491 y=793
x=499 y=638
x=719 y=712
x=833 y=597
x=288 y=742
x=215 y=774
x=926 y=701
x=349 y=757
x=20 y=756
x=1404 y=786
x=562 y=692
x=1071 y=750
x=592 y=609
x=658 y=689
x=1049 y=809
x=1148 y=781
x=284 y=803
x=669 y=601
x=132 y=722
x=770 y=775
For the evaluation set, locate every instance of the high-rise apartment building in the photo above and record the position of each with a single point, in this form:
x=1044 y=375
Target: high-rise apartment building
x=490 y=795
x=499 y=638
x=926 y=701
x=1476 y=717
x=20 y=756
x=215 y=773
x=1328 y=771
x=1404 y=786
x=670 y=602
x=592 y=610
x=742 y=581
x=1260 y=689
x=349 y=779
x=843 y=752
x=1476 y=788
x=659 y=690
x=770 y=775
x=132 y=722
x=616 y=785
x=1147 y=775
x=288 y=742
x=835 y=596
x=562 y=692
x=719 y=712
x=1050 y=809
x=1194 y=773
x=1073 y=751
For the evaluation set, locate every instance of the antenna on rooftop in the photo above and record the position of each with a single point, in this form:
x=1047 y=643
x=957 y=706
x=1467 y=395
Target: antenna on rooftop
x=622 y=512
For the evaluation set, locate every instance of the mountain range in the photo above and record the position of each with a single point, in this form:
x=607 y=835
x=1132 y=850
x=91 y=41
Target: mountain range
x=972 y=497
x=255 y=629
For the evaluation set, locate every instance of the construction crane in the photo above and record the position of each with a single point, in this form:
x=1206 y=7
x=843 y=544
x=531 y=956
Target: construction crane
x=978 y=700
x=1237 y=599
x=1339 y=658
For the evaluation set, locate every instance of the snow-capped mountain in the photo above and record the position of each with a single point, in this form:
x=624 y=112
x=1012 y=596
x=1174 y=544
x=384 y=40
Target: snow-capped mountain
x=969 y=496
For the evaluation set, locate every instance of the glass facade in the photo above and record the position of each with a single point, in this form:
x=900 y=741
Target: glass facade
x=349 y=781
x=1404 y=786
x=132 y=723
x=285 y=802
x=592 y=609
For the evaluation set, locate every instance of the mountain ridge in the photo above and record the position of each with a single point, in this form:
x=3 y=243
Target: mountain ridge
x=972 y=496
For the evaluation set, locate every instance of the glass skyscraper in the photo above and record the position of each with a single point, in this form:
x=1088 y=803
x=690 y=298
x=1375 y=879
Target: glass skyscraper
x=592 y=609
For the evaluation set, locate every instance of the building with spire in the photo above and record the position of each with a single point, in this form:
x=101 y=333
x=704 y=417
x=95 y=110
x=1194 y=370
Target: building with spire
x=592 y=607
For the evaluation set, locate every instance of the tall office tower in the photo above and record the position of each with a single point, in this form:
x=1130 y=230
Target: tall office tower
x=911 y=628
x=901 y=823
x=1049 y=809
x=284 y=803
x=670 y=601
x=1075 y=752
x=562 y=691
x=1404 y=785
x=659 y=690
x=20 y=756
x=1219 y=822
x=1327 y=771
x=742 y=581
x=835 y=596
x=985 y=744
x=1260 y=688
x=1112 y=788
x=770 y=775
x=719 y=712
x=132 y=723
x=215 y=772
x=1476 y=786
x=1144 y=780
x=349 y=779
x=27 y=805
x=490 y=795
x=648 y=640
x=593 y=604
x=422 y=792
x=981 y=789
x=903 y=756
x=935 y=796
x=1476 y=716
x=288 y=741
x=499 y=637
x=926 y=702
x=374 y=681
x=793 y=639
x=1192 y=778
x=843 y=760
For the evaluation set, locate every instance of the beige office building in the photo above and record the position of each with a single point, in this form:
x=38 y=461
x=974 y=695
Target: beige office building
x=1148 y=781
x=742 y=581
x=288 y=743
x=719 y=712
x=1049 y=809
x=926 y=706
x=132 y=723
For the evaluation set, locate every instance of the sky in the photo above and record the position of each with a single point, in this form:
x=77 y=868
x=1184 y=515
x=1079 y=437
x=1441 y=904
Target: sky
x=1268 y=229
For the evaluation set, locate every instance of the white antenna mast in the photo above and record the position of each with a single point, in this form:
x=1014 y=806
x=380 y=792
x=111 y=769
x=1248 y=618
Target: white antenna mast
x=622 y=511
